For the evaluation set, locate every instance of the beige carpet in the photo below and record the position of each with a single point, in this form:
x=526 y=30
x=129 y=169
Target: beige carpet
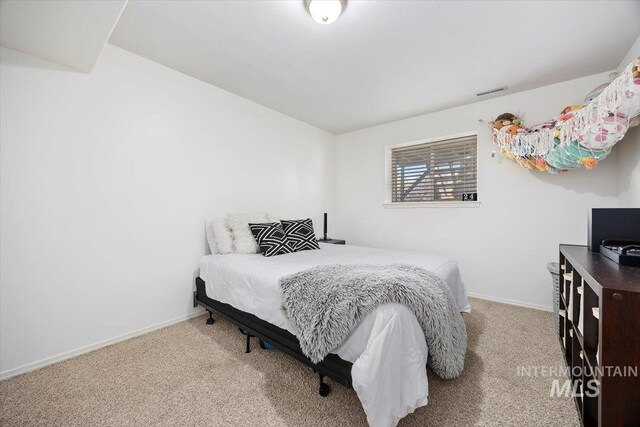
x=194 y=374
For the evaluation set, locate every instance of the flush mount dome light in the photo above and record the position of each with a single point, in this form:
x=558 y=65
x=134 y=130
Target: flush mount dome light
x=325 y=11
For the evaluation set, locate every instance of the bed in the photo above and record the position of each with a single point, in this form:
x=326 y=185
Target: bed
x=383 y=359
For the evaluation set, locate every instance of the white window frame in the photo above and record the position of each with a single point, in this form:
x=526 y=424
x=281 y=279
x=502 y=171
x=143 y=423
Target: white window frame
x=432 y=204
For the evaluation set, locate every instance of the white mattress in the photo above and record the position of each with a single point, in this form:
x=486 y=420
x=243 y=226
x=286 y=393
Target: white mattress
x=388 y=349
x=251 y=282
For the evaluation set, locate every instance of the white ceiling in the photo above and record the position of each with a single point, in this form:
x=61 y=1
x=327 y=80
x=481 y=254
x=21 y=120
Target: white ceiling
x=382 y=60
x=67 y=32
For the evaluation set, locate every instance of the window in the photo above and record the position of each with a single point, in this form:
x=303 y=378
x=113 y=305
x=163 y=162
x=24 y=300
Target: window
x=441 y=170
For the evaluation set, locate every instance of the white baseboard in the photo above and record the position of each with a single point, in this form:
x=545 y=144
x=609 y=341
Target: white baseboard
x=64 y=356
x=510 y=302
x=68 y=355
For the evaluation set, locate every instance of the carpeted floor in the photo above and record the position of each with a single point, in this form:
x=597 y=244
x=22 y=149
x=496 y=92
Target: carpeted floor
x=194 y=374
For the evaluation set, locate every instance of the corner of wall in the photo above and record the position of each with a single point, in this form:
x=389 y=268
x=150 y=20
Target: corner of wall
x=633 y=53
x=628 y=151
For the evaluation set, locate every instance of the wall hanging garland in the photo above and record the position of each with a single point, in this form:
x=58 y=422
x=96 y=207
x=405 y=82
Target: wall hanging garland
x=581 y=136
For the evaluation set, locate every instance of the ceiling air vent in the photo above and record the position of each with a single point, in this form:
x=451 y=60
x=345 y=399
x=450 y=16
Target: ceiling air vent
x=490 y=91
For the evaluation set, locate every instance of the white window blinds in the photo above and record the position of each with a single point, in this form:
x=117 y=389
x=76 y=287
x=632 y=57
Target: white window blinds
x=435 y=171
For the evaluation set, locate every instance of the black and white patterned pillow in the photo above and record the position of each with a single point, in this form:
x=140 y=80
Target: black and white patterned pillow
x=300 y=234
x=271 y=239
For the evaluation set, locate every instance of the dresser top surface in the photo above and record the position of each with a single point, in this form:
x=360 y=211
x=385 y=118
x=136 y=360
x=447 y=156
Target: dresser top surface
x=600 y=269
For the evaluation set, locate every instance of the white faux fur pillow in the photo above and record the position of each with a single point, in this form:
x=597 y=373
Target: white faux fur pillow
x=208 y=228
x=222 y=235
x=243 y=240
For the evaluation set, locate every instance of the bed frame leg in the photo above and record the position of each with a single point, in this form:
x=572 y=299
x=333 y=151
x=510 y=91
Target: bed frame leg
x=248 y=349
x=324 y=387
x=210 y=319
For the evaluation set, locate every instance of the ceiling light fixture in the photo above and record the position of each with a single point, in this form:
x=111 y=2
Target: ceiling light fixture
x=325 y=11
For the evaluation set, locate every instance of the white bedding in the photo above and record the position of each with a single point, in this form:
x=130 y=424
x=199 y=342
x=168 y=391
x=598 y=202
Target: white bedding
x=387 y=349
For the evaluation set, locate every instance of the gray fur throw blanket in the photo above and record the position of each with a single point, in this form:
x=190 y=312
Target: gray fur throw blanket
x=325 y=303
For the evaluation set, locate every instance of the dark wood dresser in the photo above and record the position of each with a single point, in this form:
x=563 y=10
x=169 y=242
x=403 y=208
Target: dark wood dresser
x=599 y=328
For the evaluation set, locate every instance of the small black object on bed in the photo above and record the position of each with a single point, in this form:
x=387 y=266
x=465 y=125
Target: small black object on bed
x=332 y=366
x=325 y=239
x=333 y=241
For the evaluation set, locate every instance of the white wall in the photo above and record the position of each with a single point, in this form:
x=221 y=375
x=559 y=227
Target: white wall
x=105 y=181
x=629 y=169
x=629 y=151
x=634 y=52
x=503 y=246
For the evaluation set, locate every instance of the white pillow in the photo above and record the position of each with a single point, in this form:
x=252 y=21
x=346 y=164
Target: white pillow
x=243 y=240
x=208 y=229
x=222 y=235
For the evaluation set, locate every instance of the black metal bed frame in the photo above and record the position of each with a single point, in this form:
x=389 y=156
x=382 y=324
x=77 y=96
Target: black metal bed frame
x=332 y=366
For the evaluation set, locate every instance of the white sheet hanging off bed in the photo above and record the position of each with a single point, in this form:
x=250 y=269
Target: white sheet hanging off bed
x=387 y=349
